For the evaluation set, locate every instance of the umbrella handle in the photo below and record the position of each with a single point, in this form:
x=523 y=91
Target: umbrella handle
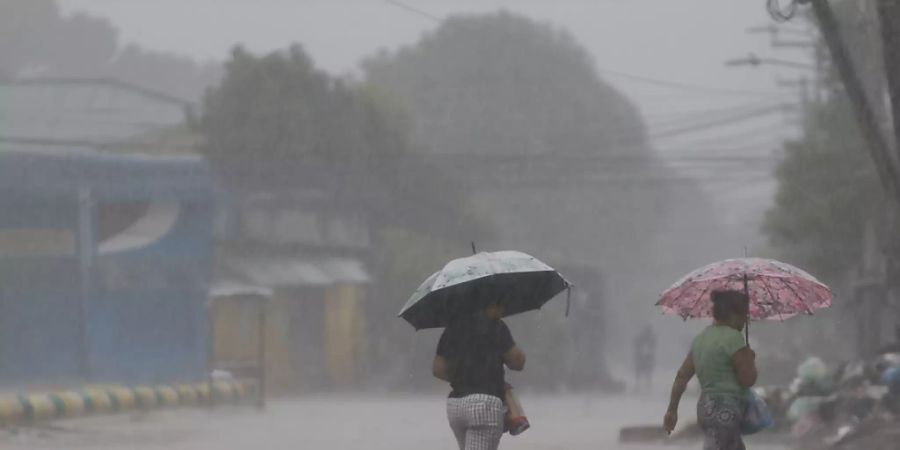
x=747 y=324
x=747 y=332
x=568 y=299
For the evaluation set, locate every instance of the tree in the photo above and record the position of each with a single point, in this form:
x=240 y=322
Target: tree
x=555 y=157
x=502 y=84
x=36 y=39
x=264 y=118
x=830 y=202
x=278 y=124
x=827 y=191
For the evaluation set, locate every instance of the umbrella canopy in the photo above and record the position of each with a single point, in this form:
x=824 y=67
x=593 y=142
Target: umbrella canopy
x=518 y=281
x=777 y=290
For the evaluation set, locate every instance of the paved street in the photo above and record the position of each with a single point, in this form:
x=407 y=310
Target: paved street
x=348 y=423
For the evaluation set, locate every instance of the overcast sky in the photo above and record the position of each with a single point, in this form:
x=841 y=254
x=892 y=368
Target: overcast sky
x=678 y=41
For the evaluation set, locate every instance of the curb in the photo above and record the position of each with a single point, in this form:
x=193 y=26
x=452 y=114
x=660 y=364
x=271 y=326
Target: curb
x=118 y=399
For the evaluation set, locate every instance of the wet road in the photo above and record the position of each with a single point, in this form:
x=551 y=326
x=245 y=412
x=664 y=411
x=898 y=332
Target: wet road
x=350 y=423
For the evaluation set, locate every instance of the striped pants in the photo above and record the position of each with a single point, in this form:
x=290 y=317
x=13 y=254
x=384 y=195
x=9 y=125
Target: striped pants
x=476 y=421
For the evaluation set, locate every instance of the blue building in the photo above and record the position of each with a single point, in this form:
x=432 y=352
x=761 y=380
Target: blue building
x=104 y=266
x=104 y=257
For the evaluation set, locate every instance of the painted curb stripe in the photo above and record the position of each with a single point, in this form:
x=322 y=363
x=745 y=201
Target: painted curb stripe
x=27 y=410
x=113 y=401
x=187 y=395
x=203 y=393
x=222 y=391
x=59 y=407
x=95 y=400
x=146 y=397
x=99 y=401
x=11 y=410
x=168 y=396
x=41 y=407
x=124 y=398
x=73 y=404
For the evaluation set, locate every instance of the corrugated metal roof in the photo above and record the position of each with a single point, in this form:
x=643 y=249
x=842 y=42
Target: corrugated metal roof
x=231 y=288
x=93 y=112
x=282 y=272
x=346 y=270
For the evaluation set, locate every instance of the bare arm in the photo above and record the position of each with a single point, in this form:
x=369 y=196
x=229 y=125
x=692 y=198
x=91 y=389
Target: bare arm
x=744 y=363
x=439 y=368
x=682 y=378
x=514 y=359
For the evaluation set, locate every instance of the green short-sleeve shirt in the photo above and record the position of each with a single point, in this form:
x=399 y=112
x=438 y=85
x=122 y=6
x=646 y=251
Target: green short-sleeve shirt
x=712 y=351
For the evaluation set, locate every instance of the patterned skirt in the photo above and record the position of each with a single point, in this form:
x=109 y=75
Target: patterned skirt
x=720 y=418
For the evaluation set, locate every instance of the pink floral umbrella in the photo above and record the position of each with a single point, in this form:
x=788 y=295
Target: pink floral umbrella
x=777 y=290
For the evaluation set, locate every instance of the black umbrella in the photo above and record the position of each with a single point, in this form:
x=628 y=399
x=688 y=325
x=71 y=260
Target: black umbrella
x=517 y=281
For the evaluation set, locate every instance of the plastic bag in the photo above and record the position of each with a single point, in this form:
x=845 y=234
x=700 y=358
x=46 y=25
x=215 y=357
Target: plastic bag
x=757 y=417
x=813 y=370
x=516 y=422
x=804 y=406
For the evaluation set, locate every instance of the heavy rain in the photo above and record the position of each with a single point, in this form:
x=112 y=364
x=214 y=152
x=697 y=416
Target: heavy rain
x=424 y=224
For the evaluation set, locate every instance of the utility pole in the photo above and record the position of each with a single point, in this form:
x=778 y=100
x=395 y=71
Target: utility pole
x=877 y=145
x=889 y=17
x=803 y=87
x=872 y=286
x=86 y=238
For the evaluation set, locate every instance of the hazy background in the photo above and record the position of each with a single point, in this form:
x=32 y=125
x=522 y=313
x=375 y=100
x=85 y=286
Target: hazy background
x=679 y=47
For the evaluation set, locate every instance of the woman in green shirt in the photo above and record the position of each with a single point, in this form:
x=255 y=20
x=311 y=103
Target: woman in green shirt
x=726 y=368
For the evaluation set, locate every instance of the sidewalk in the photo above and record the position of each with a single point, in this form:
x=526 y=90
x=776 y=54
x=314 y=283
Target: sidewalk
x=564 y=422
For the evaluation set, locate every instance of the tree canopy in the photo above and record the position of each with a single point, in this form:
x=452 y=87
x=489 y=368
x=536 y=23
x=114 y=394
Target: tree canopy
x=827 y=190
x=36 y=39
x=277 y=123
x=503 y=84
x=555 y=157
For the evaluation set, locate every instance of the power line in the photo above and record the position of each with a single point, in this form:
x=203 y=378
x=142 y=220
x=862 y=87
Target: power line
x=751 y=134
x=717 y=123
x=414 y=10
x=662 y=122
x=684 y=86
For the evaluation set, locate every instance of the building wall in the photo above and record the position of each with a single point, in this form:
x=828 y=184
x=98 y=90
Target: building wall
x=145 y=319
x=344 y=334
x=314 y=337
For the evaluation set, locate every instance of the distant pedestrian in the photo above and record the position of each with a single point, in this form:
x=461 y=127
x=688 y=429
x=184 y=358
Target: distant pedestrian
x=644 y=359
x=471 y=356
x=726 y=368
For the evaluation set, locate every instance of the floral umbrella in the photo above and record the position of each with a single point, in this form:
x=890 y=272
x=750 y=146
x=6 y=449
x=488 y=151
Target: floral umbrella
x=777 y=290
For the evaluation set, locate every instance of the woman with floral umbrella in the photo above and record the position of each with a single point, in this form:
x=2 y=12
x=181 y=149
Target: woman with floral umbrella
x=732 y=292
